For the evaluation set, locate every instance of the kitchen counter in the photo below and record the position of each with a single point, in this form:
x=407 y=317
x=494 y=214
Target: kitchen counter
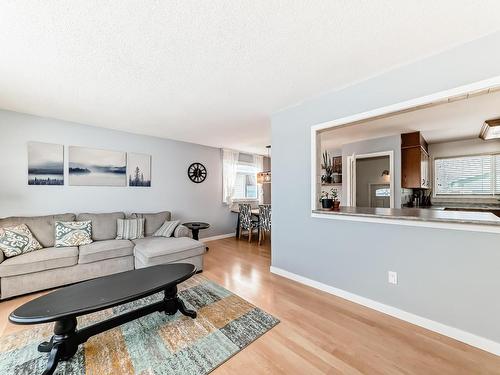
x=418 y=214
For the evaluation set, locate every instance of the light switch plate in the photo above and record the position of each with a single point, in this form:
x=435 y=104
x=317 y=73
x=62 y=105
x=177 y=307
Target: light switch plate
x=392 y=277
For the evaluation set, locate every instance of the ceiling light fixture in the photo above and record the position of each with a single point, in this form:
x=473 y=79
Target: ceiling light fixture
x=264 y=177
x=490 y=129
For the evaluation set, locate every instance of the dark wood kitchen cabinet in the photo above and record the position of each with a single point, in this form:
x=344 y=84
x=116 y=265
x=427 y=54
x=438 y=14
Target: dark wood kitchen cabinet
x=415 y=162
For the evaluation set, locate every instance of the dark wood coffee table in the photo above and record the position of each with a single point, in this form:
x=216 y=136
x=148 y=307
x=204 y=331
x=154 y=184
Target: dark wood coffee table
x=63 y=306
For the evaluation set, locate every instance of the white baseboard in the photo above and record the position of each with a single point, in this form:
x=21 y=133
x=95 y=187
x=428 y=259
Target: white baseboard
x=219 y=237
x=455 y=333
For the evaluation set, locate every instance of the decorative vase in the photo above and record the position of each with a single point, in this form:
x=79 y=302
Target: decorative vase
x=336 y=205
x=327 y=203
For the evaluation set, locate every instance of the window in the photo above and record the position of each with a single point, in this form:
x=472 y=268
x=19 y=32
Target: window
x=239 y=175
x=245 y=186
x=467 y=175
x=383 y=192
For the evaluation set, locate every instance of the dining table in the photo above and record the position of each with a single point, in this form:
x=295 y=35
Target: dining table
x=236 y=210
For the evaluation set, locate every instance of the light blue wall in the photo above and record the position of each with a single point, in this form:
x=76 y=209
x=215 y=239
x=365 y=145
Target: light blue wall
x=452 y=277
x=171 y=188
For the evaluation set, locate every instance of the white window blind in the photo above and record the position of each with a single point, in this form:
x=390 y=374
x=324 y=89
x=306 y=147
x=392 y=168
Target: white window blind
x=467 y=175
x=497 y=174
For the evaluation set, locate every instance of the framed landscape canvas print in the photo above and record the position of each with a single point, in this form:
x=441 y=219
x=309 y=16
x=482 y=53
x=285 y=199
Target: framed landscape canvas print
x=138 y=169
x=93 y=167
x=45 y=164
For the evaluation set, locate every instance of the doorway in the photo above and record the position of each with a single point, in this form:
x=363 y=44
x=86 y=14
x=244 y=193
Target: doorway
x=370 y=180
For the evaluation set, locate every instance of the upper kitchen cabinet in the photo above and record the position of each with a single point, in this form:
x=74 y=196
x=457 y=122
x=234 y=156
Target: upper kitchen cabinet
x=415 y=171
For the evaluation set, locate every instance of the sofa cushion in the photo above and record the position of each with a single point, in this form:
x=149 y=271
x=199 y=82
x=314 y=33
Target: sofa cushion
x=40 y=260
x=73 y=233
x=130 y=229
x=107 y=249
x=167 y=229
x=158 y=250
x=42 y=227
x=17 y=240
x=153 y=221
x=103 y=225
x=181 y=231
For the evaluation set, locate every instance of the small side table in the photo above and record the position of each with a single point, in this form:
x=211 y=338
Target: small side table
x=195 y=228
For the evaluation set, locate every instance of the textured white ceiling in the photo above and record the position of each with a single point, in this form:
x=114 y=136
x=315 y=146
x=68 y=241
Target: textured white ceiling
x=453 y=121
x=211 y=72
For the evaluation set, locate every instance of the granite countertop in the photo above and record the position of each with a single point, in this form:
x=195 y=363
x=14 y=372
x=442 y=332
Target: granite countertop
x=418 y=214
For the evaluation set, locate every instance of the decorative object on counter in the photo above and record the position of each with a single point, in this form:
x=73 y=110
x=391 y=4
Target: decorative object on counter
x=327 y=199
x=197 y=173
x=45 y=164
x=139 y=169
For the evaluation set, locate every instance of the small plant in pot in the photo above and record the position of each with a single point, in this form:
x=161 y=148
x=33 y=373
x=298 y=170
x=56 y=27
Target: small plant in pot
x=336 y=202
x=327 y=165
x=327 y=200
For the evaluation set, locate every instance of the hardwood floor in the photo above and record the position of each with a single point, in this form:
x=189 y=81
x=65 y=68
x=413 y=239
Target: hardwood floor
x=323 y=334
x=319 y=333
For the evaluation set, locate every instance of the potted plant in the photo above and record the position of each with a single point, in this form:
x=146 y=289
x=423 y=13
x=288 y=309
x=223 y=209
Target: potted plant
x=327 y=165
x=326 y=199
x=336 y=202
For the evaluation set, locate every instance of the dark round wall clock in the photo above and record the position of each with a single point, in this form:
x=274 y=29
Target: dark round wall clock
x=197 y=172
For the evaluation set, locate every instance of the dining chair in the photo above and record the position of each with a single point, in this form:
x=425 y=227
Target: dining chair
x=246 y=221
x=264 y=220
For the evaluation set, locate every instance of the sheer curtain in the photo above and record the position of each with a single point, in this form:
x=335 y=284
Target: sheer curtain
x=229 y=169
x=259 y=165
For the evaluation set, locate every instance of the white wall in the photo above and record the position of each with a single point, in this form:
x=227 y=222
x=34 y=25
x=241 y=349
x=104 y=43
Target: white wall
x=462 y=148
x=171 y=189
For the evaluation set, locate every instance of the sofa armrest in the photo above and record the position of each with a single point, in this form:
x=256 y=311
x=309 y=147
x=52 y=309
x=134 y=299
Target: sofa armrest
x=181 y=231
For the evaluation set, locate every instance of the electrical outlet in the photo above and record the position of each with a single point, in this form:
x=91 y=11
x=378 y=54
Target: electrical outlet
x=392 y=277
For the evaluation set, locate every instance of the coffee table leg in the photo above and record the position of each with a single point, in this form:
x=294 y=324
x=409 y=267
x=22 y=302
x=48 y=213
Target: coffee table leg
x=173 y=304
x=54 y=358
x=46 y=346
x=62 y=346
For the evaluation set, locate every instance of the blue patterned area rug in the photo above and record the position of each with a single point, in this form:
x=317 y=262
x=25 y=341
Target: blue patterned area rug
x=154 y=344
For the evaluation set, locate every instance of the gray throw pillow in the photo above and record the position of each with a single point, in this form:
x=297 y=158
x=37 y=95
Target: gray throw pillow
x=73 y=233
x=167 y=229
x=17 y=240
x=129 y=229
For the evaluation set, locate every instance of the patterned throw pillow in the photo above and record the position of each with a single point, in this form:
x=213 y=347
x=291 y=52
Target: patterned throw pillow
x=73 y=233
x=17 y=240
x=166 y=229
x=130 y=229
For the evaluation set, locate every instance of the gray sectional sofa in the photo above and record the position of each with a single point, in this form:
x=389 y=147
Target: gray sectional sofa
x=52 y=267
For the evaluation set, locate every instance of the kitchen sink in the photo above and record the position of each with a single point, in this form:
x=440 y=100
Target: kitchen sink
x=474 y=209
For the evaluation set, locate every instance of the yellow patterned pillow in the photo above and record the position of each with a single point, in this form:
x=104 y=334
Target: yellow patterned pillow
x=73 y=233
x=17 y=240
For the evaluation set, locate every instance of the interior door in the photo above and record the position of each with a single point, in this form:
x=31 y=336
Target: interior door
x=380 y=195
